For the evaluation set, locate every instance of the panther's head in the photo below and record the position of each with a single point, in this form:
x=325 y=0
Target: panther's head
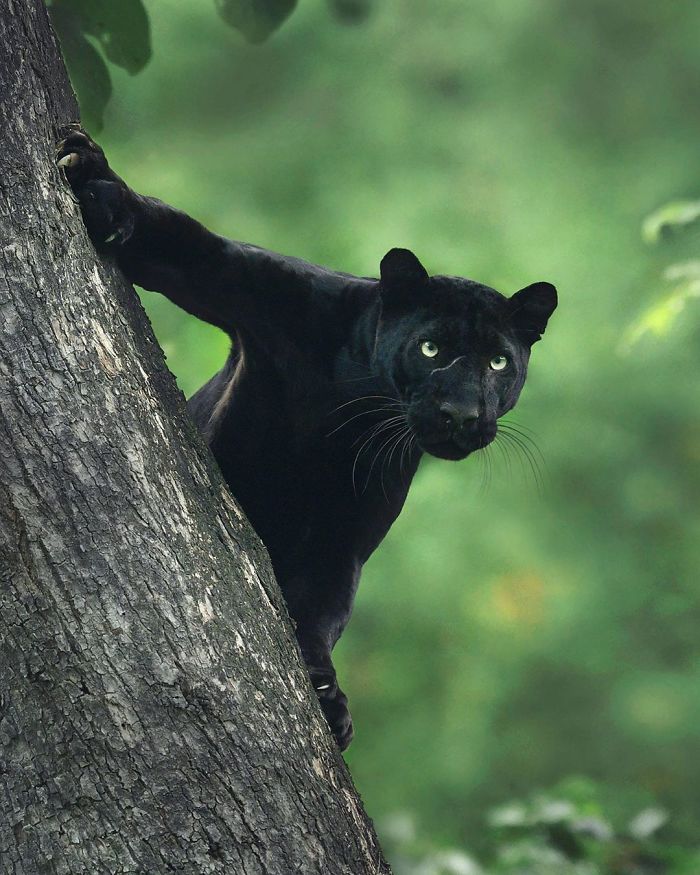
x=455 y=351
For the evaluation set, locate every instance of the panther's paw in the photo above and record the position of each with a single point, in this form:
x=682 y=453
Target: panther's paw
x=103 y=197
x=81 y=159
x=334 y=704
x=338 y=716
x=106 y=211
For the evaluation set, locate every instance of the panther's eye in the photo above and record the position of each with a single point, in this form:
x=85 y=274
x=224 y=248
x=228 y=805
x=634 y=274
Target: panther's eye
x=429 y=348
x=498 y=363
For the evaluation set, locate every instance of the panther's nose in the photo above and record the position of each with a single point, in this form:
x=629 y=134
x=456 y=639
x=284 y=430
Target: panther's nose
x=457 y=416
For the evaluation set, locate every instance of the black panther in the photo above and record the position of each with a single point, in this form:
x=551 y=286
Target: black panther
x=335 y=388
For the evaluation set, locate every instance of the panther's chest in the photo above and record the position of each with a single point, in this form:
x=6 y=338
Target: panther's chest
x=311 y=470
x=314 y=492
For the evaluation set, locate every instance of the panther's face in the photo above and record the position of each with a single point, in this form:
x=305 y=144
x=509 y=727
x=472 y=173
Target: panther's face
x=454 y=351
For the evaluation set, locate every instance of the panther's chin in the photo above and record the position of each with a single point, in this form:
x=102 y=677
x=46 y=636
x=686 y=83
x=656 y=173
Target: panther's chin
x=452 y=449
x=445 y=450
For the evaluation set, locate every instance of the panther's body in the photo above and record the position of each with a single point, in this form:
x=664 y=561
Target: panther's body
x=335 y=387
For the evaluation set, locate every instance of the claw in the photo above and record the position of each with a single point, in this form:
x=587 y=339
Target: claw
x=69 y=160
x=111 y=237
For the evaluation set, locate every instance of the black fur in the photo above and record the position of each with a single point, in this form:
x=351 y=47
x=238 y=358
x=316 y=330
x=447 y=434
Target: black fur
x=335 y=387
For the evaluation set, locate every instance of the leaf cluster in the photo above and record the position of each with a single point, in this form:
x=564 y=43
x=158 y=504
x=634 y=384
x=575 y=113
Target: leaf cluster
x=681 y=278
x=93 y=32
x=564 y=831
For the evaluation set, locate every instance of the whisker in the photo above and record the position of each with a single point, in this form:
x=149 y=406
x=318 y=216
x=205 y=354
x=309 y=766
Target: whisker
x=403 y=453
x=504 y=450
x=486 y=470
x=489 y=463
x=376 y=456
x=379 y=427
x=531 y=447
x=520 y=425
x=406 y=451
x=403 y=435
x=527 y=438
x=356 y=379
x=515 y=448
x=409 y=448
x=375 y=431
x=393 y=433
x=364 y=398
x=528 y=456
x=362 y=413
x=387 y=459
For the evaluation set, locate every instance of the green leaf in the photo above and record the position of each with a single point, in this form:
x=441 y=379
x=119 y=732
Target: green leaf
x=512 y=814
x=120 y=26
x=673 y=215
x=546 y=810
x=87 y=69
x=660 y=317
x=255 y=19
x=647 y=822
x=683 y=270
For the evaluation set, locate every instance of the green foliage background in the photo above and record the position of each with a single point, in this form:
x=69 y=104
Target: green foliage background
x=502 y=638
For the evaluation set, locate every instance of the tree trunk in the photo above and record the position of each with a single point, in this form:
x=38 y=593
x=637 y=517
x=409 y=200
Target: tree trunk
x=154 y=713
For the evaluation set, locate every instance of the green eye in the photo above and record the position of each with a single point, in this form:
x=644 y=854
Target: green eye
x=498 y=363
x=429 y=349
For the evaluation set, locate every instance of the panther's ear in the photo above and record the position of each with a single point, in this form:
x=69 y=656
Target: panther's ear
x=530 y=308
x=403 y=277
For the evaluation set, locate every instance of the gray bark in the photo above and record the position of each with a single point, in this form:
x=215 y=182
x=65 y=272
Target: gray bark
x=154 y=713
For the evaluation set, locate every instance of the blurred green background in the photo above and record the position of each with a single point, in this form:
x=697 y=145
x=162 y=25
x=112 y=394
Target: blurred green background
x=503 y=638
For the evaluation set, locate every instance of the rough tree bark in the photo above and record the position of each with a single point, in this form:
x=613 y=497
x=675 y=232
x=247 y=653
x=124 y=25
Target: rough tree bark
x=154 y=714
